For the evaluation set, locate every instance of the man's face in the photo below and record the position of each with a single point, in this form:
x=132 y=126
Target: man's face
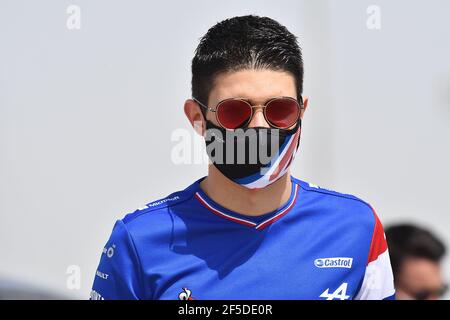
x=258 y=86
x=419 y=278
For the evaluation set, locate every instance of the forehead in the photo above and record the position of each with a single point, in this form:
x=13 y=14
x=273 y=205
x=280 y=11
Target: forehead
x=256 y=85
x=419 y=270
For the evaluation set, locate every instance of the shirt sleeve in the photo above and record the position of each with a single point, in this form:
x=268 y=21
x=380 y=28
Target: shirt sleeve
x=119 y=272
x=378 y=282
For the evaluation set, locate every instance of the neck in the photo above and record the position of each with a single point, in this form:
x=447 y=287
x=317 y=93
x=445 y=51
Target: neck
x=251 y=202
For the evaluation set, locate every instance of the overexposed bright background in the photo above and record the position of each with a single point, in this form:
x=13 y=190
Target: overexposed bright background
x=86 y=116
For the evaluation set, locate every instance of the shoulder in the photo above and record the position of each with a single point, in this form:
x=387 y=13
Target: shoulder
x=157 y=213
x=328 y=194
x=344 y=206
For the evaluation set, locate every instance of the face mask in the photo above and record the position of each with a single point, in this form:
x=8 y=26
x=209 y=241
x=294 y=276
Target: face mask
x=252 y=157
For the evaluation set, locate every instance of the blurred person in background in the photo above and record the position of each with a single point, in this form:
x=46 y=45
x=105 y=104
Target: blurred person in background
x=416 y=256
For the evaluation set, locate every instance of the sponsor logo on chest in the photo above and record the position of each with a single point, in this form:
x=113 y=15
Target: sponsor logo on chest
x=336 y=262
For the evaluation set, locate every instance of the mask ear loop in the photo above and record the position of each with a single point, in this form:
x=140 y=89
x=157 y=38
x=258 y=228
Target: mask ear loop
x=204 y=120
x=204 y=123
x=299 y=128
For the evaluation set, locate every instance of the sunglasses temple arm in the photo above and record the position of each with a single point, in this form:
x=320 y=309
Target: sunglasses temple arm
x=204 y=106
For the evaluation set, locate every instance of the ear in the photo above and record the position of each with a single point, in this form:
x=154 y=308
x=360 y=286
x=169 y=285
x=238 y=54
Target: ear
x=305 y=105
x=194 y=115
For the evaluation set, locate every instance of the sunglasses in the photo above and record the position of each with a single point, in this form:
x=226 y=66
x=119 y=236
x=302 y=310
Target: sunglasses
x=233 y=113
x=426 y=294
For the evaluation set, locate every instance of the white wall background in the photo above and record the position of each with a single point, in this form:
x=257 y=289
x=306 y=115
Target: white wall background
x=86 y=116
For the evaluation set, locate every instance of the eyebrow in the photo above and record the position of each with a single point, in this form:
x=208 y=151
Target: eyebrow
x=251 y=101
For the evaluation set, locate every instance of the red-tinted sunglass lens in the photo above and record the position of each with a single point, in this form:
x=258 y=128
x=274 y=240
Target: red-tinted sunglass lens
x=282 y=113
x=233 y=114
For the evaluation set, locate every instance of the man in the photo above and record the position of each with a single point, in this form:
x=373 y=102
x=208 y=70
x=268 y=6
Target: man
x=416 y=255
x=249 y=230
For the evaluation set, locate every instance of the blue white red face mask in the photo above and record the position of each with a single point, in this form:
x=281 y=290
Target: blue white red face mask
x=252 y=157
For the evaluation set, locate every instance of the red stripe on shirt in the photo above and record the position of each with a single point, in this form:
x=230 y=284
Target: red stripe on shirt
x=378 y=244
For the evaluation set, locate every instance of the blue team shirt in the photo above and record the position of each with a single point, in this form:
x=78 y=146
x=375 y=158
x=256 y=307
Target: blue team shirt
x=320 y=244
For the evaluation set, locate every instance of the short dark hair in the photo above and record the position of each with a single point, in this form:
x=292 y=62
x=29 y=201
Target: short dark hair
x=245 y=42
x=407 y=240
